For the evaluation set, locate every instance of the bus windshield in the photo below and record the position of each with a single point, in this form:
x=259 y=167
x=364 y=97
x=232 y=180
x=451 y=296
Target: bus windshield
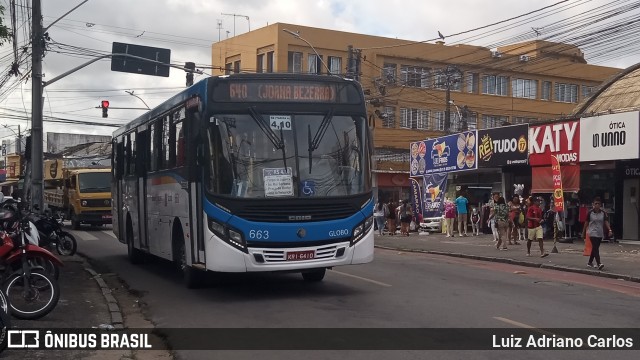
x=256 y=155
x=95 y=182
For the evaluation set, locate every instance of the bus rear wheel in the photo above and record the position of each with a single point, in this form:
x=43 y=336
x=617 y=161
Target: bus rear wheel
x=315 y=275
x=134 y=255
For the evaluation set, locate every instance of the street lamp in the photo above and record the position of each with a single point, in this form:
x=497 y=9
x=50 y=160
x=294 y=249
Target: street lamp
x=132 y=94
x=297 y=36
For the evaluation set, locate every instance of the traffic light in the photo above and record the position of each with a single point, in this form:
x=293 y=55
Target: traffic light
x=105 y=108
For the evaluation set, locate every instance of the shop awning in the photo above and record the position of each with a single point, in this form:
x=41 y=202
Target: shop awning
x=542 y=180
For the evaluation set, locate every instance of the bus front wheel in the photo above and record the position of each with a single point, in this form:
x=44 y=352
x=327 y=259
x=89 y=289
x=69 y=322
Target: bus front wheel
x=192 y=277
x=315 y=275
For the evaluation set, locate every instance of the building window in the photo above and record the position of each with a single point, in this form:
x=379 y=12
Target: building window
x=492 y=121
x=524 y=88
x=523 y=120
x=314 y=64
x=270 y=62
x=295 y=62
x=335 y=65
x=389 y=117
x=587 y=91
x=414 y=119
x=414 y=76
x=227 y=68
x=260 y=64
x=472 y=83
x=494 y=85
x=567 y=93
x=236 y=67
x=546 y=90
x=454 y=80
x=389 y=73
x=438 y=117
x=472 y=121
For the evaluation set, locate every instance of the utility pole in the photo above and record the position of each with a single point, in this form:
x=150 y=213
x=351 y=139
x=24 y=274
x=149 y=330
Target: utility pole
x=219 y=28
x=37 y=162
x=452 y=76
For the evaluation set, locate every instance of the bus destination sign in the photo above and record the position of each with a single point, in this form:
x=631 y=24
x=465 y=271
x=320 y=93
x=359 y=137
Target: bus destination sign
x=285 y=92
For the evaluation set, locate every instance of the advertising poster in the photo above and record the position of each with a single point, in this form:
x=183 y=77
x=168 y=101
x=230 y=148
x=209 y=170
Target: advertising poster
x=558 y=194
x=435 y=186
x=416 y=196
x=502 y=146
x=444 y=154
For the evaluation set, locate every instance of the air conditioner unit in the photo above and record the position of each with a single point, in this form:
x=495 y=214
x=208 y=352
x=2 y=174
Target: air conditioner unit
x=496 y=54
x=524 y=58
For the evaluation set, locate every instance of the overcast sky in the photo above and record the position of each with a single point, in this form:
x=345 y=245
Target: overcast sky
x=189 y=27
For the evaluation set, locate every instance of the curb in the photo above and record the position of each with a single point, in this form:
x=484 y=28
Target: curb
x=114 y=309
x=517 y=262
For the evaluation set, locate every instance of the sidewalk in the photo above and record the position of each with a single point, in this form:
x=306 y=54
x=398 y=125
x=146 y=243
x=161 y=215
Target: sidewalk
x=87 y=300
x=621 y=260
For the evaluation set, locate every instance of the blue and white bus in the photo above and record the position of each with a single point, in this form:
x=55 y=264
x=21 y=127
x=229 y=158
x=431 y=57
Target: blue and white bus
x=248 y=172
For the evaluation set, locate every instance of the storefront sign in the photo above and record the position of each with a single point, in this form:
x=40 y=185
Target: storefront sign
x=416 y=196
x=542 y=179
x=558 y=194
x=610 y=137
x=560 y=139
x=444 y=154
x=435 y=186
x=503 y=146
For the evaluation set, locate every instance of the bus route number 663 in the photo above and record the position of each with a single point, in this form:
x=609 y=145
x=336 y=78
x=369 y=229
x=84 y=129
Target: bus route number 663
x=258 y=234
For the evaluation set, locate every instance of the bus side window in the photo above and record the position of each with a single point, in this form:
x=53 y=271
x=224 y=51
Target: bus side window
x=179 y=144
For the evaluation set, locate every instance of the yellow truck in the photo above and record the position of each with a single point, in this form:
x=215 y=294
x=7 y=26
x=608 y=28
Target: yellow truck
x=83 y=195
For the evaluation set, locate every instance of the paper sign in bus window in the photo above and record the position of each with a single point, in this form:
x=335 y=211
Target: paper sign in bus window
x=280 y=122
x=278 y=182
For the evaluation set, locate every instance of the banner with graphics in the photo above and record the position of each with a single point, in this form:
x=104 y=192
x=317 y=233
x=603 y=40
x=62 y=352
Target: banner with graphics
x=444 y=154
x=435 y=186
x=560 y=138
x=502 y=146
x=558 y=195
x=416 y=196
x=610 y=137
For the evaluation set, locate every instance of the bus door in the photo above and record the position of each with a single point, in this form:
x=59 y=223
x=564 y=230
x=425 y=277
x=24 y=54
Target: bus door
x=116 y=190
x=142 y=140
x=194 y=150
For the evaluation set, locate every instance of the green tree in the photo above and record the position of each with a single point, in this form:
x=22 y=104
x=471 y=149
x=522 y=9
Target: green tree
x=5 y=32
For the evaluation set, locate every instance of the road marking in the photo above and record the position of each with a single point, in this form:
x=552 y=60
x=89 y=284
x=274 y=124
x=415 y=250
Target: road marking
x=522 y=325
x=110 y=233
x=84 y=235
x=361 y=278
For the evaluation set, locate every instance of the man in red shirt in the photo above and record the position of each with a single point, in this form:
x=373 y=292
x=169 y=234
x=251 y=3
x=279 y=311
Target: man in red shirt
x=534 y=220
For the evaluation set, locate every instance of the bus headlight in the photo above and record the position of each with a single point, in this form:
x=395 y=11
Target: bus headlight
x=229 y=235
x=360 y=230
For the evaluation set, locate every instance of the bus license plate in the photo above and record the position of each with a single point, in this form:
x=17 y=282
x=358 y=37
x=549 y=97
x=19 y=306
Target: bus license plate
x=301 y=255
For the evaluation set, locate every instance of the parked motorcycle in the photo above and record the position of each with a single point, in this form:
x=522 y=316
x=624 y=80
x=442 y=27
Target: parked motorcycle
x=51 y=235
x=5 y=320
x=31 y=292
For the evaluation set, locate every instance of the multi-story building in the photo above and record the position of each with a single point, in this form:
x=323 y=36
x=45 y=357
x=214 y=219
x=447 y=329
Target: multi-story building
x=408 y=83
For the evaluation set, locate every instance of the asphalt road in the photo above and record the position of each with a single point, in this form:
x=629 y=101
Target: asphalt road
x=397 y=290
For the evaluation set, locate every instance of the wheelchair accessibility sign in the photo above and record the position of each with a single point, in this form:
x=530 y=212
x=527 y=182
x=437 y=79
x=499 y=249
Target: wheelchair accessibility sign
x=308 y=188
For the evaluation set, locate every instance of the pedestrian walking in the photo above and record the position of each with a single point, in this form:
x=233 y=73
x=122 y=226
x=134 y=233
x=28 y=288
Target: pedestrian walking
x=391 y=218
x=449 y=216
x=595 y=225
x=534 y=225
x=514 y=220
x=492 y=222
x=406 y=216
x=379 y=215
x=475 y=222
x=500 y=213
x=461 y=207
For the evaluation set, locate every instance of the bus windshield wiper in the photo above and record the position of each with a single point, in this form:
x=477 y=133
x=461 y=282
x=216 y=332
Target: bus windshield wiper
x=277 y=142
x=313 y=144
